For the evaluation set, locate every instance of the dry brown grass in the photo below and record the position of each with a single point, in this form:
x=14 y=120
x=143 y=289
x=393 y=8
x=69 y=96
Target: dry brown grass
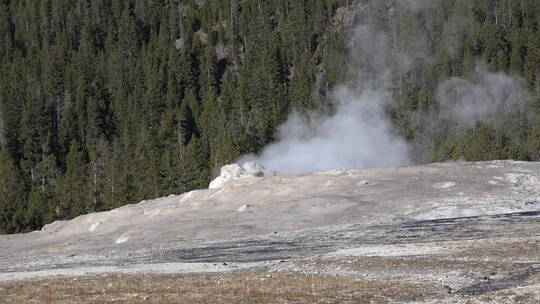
x=212 y=288
x=522 y=295
x=503 y=249
x=392 y=279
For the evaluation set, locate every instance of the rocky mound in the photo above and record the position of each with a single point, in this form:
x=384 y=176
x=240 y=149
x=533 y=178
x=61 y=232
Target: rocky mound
x=250 y=214
x=232 y=172
x=247 y=199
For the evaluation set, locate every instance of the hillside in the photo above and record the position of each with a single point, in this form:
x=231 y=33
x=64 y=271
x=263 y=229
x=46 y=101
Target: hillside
x=447 y=231
x=106 y=102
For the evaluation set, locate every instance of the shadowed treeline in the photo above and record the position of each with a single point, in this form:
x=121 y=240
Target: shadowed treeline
x=109 y=102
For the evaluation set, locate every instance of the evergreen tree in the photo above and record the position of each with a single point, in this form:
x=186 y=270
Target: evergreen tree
x=74 y=192
x=107 y=102
x=12 y=198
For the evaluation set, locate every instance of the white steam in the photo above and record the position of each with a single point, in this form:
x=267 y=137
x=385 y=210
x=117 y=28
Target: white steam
x=483 y=97
x=417 y=5
x=357 y=136
x=360 y=134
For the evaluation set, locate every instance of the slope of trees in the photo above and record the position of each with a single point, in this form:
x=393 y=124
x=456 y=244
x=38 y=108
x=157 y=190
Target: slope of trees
x=108 y=102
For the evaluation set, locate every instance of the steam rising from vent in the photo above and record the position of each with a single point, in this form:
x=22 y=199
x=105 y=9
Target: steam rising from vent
x=484 y=97
x=359 y=134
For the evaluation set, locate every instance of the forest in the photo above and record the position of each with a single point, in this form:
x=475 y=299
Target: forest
x=109 y=102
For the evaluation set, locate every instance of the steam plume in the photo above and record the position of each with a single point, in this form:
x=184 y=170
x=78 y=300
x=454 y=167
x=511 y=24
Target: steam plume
x=359 y=134
x=483 y=97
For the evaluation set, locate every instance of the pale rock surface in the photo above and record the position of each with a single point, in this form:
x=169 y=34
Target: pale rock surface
x=299 y=201
x=247 y=202
x=234 y=171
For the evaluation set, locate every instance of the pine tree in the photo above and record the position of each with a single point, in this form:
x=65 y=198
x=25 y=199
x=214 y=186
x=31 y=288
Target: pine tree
x=106 y=102
x=6 y=40
x=74 y=193
x=12 y=197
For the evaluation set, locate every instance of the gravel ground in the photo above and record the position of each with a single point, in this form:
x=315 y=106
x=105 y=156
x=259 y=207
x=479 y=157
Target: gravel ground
x=470 y=231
